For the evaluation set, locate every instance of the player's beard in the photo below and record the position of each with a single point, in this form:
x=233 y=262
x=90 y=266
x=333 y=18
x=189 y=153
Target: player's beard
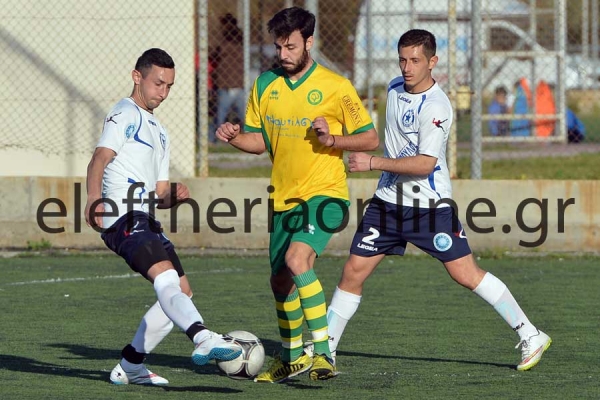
x=299 y=66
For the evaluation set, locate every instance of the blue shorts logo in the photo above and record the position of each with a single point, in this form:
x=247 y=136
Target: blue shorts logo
x=442 y=242
x=129 y=130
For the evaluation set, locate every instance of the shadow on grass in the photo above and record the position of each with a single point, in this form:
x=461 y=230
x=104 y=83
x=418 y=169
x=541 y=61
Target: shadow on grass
x=272 y=347
x=29 y=365
x=21 y=364
x=426 y=359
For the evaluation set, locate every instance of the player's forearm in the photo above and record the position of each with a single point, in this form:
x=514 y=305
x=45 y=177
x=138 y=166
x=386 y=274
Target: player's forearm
x=415 y=165
x=95 y=171
x=249 y=142
x=166 y=201
x=364 y=141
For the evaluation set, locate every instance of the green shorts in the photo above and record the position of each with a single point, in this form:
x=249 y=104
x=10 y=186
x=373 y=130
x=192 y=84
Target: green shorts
x=312 y=222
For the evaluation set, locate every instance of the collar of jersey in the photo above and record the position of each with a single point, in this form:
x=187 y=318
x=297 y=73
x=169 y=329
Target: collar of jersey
x=299 y=82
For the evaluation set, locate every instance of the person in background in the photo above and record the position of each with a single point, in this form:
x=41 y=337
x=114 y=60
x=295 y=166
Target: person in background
x=499 y=106
x=229 y=73
x=575 y=128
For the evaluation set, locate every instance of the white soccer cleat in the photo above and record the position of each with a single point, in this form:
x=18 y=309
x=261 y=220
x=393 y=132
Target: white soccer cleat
x=214 y=347
x=532 y=349
x=141 y=377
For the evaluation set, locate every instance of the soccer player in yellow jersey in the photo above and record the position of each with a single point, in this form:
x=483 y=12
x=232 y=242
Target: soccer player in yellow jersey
x=298 y=113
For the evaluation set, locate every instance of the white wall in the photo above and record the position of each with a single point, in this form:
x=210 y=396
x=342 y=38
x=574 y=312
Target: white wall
x=64 y=64
x=21 y=197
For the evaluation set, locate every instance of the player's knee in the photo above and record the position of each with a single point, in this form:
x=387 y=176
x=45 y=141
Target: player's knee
x=467 y=277
x=354 y=270
x=166 y=279
x=296 y=262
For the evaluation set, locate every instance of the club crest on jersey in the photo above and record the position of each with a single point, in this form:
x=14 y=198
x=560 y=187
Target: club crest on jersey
x=163 y=140
x=314 y=97
x=408 y=118
x=129 y=130
x=442 y=242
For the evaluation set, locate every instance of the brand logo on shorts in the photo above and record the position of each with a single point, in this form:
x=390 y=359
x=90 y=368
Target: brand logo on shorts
x=460 y=234
x=442 y=241
x=366 y=247
x=310 y=228
x=133 y=231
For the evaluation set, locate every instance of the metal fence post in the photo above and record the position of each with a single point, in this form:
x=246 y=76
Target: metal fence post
x=476 y=89
x=560 y=22
x=452 y=154
x=202 y=81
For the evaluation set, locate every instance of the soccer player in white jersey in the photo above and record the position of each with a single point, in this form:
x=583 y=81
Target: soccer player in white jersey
x=127 y=177
x=413 y=201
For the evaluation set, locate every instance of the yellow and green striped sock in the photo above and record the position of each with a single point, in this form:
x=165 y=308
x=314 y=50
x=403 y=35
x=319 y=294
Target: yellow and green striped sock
x=312 y=299
x=290 y=318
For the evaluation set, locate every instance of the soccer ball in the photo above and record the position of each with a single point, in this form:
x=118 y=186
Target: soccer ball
x=250 y=362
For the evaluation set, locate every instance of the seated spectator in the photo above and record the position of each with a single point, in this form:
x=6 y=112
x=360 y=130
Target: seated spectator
x=499 y=106
x=229 y=74
x=575 y=128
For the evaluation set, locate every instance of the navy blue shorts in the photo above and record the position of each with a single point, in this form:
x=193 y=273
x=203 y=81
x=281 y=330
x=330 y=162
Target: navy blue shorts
x=386 y=229
x=139 y=239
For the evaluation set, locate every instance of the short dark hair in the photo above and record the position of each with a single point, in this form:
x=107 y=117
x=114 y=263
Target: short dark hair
x=501 y=90
x=418 y=37
x=151 y=57
x=286 y=21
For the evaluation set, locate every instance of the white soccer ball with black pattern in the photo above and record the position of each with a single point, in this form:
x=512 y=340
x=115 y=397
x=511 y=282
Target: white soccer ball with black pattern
x=250 y=362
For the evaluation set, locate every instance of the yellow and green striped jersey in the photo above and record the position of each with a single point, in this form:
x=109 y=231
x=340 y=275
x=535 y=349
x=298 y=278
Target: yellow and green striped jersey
x=283 y=112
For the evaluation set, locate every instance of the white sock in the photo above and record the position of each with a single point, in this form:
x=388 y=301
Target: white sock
x=201 y=336
x=155 y=326
x=342 y=308
x=495 y=292
x=176 y=305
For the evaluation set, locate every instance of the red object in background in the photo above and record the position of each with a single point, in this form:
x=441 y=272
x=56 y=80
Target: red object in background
x=211 y=69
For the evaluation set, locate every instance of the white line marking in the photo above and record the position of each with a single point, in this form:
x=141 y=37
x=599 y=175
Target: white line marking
x=124 y=276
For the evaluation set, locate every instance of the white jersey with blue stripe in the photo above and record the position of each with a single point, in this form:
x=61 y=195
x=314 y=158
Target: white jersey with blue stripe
x=142 y=147
x=416 y=124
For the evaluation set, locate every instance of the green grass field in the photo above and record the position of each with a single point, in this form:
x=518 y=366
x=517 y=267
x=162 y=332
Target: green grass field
x=582 y=166
x=417 y=335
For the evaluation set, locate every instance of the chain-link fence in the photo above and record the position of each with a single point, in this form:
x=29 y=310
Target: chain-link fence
x=66 y=62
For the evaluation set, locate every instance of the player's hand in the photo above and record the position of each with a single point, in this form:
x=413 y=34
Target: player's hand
x=227 y=132
x=359 y=162
x=98 y=209
x=321 y=128
x=182 y=192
